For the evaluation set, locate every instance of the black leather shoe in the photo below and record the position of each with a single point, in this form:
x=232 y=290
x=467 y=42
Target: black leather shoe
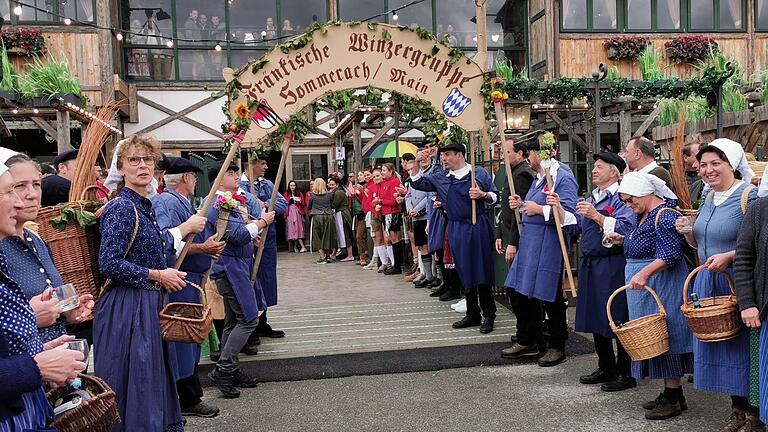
x=450 y=295
x=202 y=409
x=618 y=383
x=487 y=325
x=435 y=283
x=223 y=381
x=243 y=380
x=267 y=331
x=599 y=376
x=422 y=283
x=467 y=321
x=438 y=291
x=552 y=357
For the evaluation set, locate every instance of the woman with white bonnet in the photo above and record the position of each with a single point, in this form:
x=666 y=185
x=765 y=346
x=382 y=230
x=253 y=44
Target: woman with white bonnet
x=750 y=274
x=25 y=362
x=654 y=252
x=722 y=367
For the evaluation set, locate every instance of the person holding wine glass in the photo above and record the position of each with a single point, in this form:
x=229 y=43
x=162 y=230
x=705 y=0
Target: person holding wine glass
x=129 y=352
x=294 y=218
x=722 y=367
x=25 y=361
x=31 y=262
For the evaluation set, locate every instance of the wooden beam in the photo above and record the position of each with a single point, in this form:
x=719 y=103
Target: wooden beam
x=381 y=132
x=647 y=123
x=580 y=142
x=63 y=132
x=44 y=125
x=181 y=115
x=357 y=146
x=625 y=127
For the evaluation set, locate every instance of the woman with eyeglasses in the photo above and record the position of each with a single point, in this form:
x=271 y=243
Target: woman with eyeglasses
x=129 y=352
x=654 y=252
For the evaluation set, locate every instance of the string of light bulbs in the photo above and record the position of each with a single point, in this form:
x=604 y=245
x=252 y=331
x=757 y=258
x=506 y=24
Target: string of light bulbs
x=120 y=34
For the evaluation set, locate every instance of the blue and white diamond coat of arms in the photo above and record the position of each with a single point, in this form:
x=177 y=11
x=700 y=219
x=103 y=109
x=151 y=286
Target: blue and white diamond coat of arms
x=455 y=103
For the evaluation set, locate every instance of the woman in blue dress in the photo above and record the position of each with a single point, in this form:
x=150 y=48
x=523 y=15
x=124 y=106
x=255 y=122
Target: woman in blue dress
x=722 y=367
x=129 y=351
x=654 y=252
x=26 y=362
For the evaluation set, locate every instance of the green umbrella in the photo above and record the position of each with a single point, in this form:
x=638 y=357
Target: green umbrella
x=390 y=149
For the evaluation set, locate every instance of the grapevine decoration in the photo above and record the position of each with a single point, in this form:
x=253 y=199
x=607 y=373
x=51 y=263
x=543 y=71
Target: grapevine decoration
x=547 y=148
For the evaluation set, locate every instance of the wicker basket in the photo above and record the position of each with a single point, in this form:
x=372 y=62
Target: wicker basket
x=643 y=338
x=186 y=322
x=75 y=249
x=718 y=317
x=97 y=414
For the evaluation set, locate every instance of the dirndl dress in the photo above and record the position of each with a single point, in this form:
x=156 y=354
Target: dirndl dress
x=294 y=223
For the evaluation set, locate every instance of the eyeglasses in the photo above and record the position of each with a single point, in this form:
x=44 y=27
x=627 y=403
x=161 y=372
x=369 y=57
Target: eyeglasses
x=629 y=199
x=136 y=160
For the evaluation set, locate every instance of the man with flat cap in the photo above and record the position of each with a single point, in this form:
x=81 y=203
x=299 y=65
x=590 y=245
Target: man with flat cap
x=471 y=244
x=232 y=275
x=536 y=273
x=601 y=272
x=55 y=188
x=174 y=212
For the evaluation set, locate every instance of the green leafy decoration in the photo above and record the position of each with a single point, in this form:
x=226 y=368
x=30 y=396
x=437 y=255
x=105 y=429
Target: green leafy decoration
x=372 y=25
x=80 y=215
x=386 y=35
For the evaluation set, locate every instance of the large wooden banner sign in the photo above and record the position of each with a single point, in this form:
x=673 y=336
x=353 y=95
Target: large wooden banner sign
x=350 y=56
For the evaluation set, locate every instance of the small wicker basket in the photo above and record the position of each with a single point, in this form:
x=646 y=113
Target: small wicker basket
x=97 y=414
x=75 y=249
x=718 y=317
x=187 y=322
x=643 y=338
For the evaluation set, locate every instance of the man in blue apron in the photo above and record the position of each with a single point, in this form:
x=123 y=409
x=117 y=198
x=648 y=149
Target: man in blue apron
x=174 y=215
x=601 y=272
x=267 y=276
x=472 y=244
x=537 y=270
x=232 y=275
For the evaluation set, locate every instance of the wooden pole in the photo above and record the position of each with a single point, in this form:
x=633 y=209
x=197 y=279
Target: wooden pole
x=211 y=194
x=507 y=167
x=279 y=176
x=559 y=229
x=472 y=139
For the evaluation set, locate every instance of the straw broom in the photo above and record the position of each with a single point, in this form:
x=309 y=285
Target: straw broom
x=96 y=136
x=678 y=166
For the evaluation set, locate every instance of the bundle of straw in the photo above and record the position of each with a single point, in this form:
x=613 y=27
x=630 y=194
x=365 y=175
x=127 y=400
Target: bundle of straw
x=96 y=136
x=678 y=166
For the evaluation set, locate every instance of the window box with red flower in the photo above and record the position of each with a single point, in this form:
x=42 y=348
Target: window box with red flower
x=625 y=47
x=24 y=41
x=690 y=48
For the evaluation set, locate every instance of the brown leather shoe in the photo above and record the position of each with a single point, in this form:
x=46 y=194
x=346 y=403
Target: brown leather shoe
x=652 y=404
x=520 y=351
x=412 y=277
x=664 y=409
x=552 y=357
x=752 y=424
x=736 y=420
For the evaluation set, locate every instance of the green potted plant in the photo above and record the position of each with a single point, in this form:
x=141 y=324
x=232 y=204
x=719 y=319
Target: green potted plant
x=48 y=80
x=9 y=94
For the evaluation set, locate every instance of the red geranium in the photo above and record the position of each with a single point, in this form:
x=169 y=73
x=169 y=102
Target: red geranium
x=239 y=198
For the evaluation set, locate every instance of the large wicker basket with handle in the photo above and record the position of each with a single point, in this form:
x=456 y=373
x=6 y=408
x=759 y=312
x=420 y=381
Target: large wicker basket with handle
x=97 y=414
x=75 y=248
x=718 y=317
x=187 y=322
x=643 y=338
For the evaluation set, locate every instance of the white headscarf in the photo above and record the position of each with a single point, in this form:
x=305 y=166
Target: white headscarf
x=638 y=184
x=734 y=152
x=5 y=154
x=114 y=178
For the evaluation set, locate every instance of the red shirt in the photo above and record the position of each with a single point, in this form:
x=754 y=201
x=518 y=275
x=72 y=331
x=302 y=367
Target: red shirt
x=373 y=191
x=387 y=192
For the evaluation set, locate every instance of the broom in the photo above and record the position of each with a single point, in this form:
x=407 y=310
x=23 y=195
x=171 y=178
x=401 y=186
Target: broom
x=678 y=166
x=96 y=136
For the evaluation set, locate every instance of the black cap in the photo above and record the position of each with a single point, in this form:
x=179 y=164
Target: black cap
x=531 y=144
x=64 y=157
x=611 y=158
x=214 y=171
x=454 y=147
x=177 y=165
x=409 y=157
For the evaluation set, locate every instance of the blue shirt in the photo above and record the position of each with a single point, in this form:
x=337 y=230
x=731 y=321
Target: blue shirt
x=31 y=266
x=647 y=241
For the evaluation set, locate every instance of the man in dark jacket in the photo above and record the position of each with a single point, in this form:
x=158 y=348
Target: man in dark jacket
x=55 y=188
x=507 y=233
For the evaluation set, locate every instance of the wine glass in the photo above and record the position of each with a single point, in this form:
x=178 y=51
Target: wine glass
x=67 y=297
x=82 y=346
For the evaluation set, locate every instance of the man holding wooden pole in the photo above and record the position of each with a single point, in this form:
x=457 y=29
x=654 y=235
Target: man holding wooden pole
x=471 y=243
x=536 y=274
